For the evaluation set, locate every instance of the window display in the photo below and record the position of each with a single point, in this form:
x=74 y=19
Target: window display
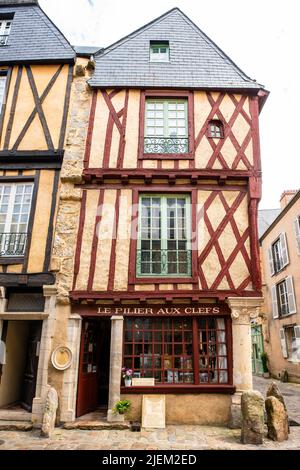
x=165 y=349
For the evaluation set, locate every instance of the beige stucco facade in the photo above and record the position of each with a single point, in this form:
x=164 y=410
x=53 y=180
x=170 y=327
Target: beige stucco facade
x=284 y=224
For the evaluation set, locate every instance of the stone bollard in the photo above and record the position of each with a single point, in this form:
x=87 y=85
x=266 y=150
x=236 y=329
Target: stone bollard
x=49 y=417
x=273 y=391
x=277 y=420
x=252 y=418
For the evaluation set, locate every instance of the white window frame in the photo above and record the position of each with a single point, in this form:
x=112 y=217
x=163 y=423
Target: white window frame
x=279 y=262
x=289 y=293
x=3 y=81
x=297 y=232
x=283 y=343
x=166 y=126
x=9 y=223
x=164 y=232
x=159 y=56
x=5 y=28
x=293 y=347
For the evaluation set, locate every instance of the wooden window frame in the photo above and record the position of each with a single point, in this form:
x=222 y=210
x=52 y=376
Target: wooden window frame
x=218 y=123
x=161 y=94
x=159 y=44
x=164 y=229
x=196 y=387
x=133 y=278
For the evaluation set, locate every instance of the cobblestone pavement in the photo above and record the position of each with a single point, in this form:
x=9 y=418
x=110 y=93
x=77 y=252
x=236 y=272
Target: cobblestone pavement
x=290 y=392
x=173 y=437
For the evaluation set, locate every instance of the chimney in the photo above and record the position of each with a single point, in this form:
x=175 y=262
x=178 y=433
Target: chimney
x=286 y=197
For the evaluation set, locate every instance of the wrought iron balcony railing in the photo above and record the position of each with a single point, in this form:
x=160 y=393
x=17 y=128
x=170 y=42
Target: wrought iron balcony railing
x=12 y=244
x=166 y=145
x=4 y=39
x=164 y=263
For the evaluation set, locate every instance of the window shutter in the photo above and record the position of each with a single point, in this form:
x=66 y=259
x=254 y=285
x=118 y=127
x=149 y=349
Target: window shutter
x=274 y=302
x=271 y=261
x=291 y=294
x=297 y=230
x=283 y=343
x=284 y=250
x=297 y=336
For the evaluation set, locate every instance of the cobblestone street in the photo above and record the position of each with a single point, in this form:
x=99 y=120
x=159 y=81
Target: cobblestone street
x=290 y=392
x=173 y=437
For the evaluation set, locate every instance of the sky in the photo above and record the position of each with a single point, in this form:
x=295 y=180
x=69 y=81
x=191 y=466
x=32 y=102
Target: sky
x=261 y=37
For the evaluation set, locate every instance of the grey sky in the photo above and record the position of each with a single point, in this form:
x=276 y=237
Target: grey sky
x=262 y=37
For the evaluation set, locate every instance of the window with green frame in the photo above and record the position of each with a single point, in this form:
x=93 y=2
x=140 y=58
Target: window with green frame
x=166 y=126
x=159 y=52
x=164 y=236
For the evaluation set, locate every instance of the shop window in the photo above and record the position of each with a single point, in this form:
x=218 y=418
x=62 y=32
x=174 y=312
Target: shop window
x=166 y=126
x=15 y=205
x=278 y=254
x=215 y=129
x=166 y=349
x=164 y=236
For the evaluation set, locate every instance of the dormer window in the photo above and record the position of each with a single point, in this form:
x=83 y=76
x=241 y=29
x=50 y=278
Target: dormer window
x=159 y=51
x=5 y=27
x=215 y=129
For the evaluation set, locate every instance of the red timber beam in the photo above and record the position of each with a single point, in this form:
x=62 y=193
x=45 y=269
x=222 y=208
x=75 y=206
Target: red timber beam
x=166 y=296
x=114 y=119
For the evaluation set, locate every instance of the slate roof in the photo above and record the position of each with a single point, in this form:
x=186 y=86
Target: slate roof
x=265 y=218
x=86 y=51
x=33 y=36
x=195 y=60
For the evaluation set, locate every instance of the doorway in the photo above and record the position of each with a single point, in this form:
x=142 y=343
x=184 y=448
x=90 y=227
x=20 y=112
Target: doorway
x=257 y=349
x=19 y=373
x=93 y=377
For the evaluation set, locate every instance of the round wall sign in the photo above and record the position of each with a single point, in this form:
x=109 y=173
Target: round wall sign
x=61 y=358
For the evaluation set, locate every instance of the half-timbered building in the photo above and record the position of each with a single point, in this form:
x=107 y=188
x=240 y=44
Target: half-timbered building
x=36 y=67
x=166 y=264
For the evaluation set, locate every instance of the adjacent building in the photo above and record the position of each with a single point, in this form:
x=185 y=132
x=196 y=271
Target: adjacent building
x=36 y=68
x=280 y=247
x=156 y=248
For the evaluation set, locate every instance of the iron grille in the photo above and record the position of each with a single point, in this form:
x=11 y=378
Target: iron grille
x=164 y=262
x=12 y=244
x=166 y=145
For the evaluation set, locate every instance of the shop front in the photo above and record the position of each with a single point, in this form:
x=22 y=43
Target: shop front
x=181 y=351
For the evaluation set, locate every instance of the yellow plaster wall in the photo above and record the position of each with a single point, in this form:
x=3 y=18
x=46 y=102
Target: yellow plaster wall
x=132 y=130
x=105 y=232
x=99 y=133
x=123 y=241
x=87 y=239
x=53 y=107
x=41 y=222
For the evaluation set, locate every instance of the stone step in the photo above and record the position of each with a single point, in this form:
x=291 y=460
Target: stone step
x=15 y=426
x=15 y=415
x=95 y=425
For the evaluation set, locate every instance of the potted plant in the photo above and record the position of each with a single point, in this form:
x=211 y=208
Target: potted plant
x=122 y=407
x=127 y=376
x=264 y=360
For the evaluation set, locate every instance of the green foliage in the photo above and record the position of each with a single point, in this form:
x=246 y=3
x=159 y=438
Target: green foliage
x=122 y=406
x=264 y=360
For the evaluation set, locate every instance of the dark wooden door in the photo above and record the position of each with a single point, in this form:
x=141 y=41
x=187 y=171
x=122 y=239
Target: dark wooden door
x=31 y=365
x=87 y=397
